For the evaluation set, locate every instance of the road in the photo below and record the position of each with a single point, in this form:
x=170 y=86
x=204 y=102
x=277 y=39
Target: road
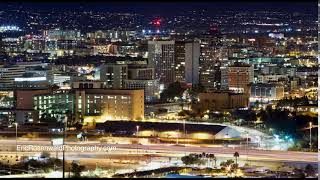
x=181 y=150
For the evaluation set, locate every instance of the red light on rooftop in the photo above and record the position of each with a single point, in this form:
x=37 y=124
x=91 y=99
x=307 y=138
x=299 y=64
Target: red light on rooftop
x=157 y=22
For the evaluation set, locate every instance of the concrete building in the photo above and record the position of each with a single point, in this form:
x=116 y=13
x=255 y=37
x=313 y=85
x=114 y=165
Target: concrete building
x=192 y=57
x=161 y=56
x=266 y=92
x=55 y=104
x=113 y=75
x=9 y=73
x=110 y=104
x=87 y=84
x=60 y=78
x=211 y=47
x=220 y=100
x=140 y=72
x=88 y=104
x=180 y=60
x=239 y=77
x=31 y=82
x=17 y=106
x=187 y=55
x=151 y=87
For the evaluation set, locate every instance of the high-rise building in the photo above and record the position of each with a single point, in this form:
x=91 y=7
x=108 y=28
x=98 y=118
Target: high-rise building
x=192 y=57
x=210 y=57
x=180 y=60
x=187 y=54
x=161 y=56
x=114 y=75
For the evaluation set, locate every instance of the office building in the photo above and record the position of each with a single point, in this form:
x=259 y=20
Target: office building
x=113 y=75
x=192 y=57
x=266 y=92
x=110 y=104
x=239 y=77
x=161 y=56
x=8 y=73
x=220 y=100
x=210 y=60
x=102 y=104
x=187 y=55
x=151 y=87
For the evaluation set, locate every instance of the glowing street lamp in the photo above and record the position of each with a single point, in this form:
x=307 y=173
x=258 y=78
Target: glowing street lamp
x=16 y=124
x=310 y=143
x=137 y=127
x=137 y=139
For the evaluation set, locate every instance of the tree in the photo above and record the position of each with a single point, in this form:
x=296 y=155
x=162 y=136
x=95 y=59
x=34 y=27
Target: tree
x=196 y=89
x=174 y=90
x=224 y=165
x=310 y=171
x=212 y=157
x=191 y=159
x=236 y=155
x=76 y=169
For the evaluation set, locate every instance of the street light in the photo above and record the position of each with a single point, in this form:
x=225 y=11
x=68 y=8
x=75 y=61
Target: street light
x=137 y=138
x=247 y=135
x=16 y=124
x=310 y=143
x=137 y=130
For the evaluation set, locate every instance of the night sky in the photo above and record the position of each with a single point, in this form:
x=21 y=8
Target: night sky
x=157 y=7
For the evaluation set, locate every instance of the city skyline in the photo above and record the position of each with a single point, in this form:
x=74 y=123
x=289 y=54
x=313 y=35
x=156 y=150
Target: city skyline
x=159 y=90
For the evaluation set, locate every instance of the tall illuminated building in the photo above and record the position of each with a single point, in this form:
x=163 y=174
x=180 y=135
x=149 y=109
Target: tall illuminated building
x=187 y=55
x=210 y=59
x=161 y=56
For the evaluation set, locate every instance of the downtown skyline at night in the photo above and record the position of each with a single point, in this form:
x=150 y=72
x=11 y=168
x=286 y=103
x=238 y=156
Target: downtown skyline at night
x=159 y=90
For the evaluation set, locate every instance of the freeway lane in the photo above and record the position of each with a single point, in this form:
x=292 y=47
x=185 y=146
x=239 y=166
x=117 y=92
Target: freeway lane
x=173 y=149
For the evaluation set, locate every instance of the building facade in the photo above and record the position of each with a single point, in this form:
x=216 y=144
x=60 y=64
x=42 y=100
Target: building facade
x=113 y=75
x=151 y=88
x=161 y=56
x=266 y=92
x=221 y=100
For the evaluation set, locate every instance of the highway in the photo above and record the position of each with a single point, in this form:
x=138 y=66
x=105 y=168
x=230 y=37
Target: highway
x=179 y=150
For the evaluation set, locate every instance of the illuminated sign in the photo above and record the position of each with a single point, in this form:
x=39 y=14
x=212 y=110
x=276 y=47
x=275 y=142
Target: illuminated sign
x=30 y=79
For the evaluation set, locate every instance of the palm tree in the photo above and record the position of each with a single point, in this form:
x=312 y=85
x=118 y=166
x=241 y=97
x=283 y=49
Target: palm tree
x=203 y=154
x=215 y=162
x=212 y=157
x=236 y=155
